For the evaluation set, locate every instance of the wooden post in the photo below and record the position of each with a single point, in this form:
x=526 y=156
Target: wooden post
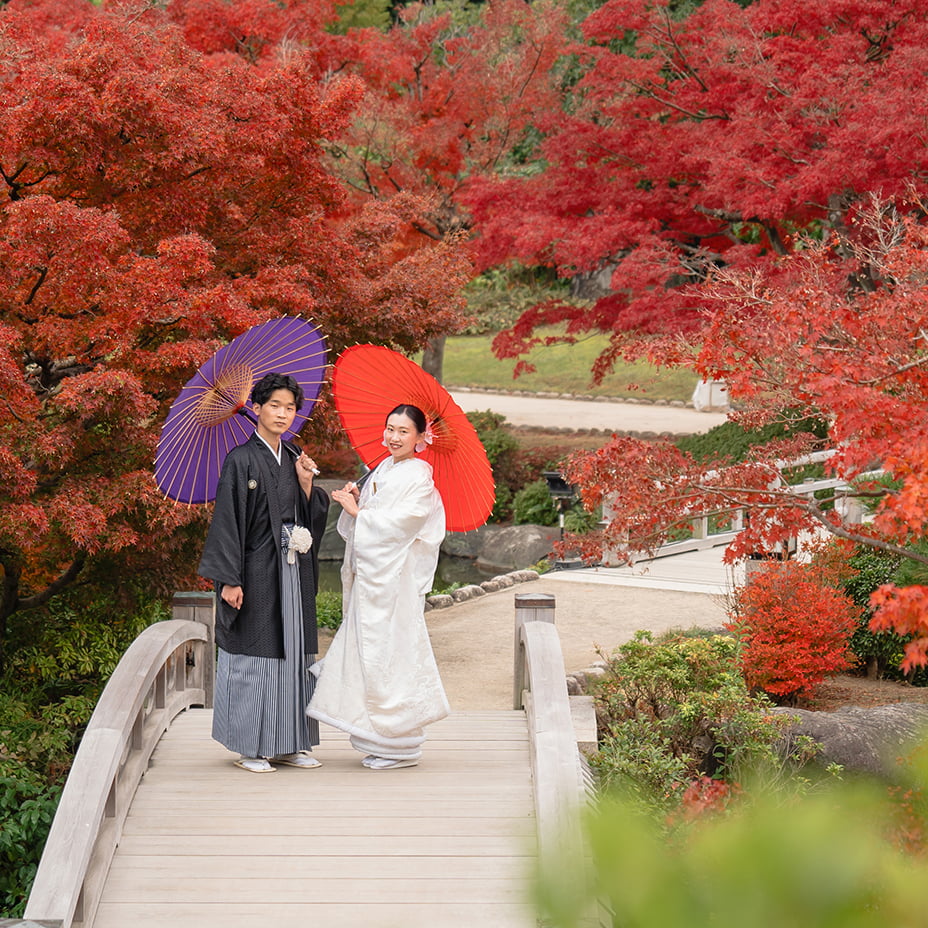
x=530 y=607
x=201 y=607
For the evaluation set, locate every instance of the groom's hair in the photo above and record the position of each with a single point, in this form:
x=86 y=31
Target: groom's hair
x=262 y=390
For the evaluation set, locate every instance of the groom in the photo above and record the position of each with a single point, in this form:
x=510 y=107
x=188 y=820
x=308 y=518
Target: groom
x=266 y=586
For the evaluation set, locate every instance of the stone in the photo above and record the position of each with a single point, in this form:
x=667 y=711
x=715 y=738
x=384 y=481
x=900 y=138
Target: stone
x=514 y=547
x=464 y=593
x=467 y=544
x=864 y=740
x=524 y=576
x=440 y=600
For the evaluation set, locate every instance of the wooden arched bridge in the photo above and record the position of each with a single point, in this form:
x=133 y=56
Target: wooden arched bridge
x=156 y=827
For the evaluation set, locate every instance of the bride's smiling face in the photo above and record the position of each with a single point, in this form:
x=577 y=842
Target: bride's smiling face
x=400 y=436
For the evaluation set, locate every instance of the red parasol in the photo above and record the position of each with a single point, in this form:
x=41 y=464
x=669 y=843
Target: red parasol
x=202 y=426
x=369 y=381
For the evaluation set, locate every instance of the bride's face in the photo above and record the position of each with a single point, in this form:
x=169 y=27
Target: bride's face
x=400 y=436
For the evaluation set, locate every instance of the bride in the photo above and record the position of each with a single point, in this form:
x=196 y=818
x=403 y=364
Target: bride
x=379 y=681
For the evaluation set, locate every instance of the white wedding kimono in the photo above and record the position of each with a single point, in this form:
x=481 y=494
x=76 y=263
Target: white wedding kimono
x=379 y=681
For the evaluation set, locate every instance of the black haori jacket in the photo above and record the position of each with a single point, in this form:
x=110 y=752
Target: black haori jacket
x=243 y=549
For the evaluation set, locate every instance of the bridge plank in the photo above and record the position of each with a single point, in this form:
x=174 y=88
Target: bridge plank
x=360 y=915
x=335 y=845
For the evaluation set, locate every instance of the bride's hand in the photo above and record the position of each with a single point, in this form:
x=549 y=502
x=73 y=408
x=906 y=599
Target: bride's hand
x=346 y=499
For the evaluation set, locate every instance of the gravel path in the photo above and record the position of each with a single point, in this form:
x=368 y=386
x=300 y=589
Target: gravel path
x=557 y=412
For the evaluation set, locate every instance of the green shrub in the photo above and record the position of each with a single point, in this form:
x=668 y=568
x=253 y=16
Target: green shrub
x=498 y=296
x=59 y=660
x=533 y=505
x=910 y=572
x=26 y=812
x=496 y=440
x=580 y=522
x=502 y=505
x=675 y=709
x=819 y=859
x=329 y=610
x=501 y=448
x=882 y=651
x=733 y=441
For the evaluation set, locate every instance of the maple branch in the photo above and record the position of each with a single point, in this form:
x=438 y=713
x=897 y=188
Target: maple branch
x=699 y=117
x=43 y=273
x=13 y=412
x=869 y=540
x=435 y=236
x=895 y=372
x=56 y=586
x=813 y=507
x=16 y=187
x=683 y=68
x=531 y=72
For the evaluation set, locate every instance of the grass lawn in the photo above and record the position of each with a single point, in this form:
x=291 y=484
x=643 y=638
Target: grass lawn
x=469 y=362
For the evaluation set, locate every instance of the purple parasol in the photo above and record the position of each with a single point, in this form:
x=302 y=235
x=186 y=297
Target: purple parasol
x=211 y=415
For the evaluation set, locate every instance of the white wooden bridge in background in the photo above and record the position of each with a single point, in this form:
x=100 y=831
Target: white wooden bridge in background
x=156 y=828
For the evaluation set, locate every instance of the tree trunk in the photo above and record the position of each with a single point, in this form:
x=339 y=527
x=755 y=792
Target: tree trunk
x=9 y=597
x=433 y=358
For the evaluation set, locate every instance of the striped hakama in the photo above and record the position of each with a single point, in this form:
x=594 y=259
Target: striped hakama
x=260 y=702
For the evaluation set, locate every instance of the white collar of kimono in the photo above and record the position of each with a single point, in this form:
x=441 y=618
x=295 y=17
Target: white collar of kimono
x=277 y=453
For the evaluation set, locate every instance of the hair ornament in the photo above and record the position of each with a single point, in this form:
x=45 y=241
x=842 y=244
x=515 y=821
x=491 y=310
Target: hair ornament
x=426 y=440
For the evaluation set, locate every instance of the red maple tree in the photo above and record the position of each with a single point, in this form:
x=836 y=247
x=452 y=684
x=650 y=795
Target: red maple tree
x=836 y=331
x=706 y=138
x=161 y=198
x=448 y=100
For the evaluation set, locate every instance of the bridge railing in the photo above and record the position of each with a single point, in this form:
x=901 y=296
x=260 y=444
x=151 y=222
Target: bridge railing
x=721 y=526
x=167 y=669
x=540 y=687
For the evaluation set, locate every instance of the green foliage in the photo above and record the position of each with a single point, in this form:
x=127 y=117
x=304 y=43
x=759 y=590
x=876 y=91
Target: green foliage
x=497 y=441
x=512 y=466
x=819 y=860
x=580 y=522
x=446 y=589
x=674 y=709
x=501 y=447
x=910 y=572
x=533 y=505
x=63 y=656
x=496 y=298
x=502 y=504
x=26 y=812
x=881 y=651
x=733 y=441
x=329 y=610
x=361 y=14
x=72 y=647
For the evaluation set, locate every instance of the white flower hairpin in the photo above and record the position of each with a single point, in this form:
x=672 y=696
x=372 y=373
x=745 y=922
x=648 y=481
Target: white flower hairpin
x=427 y=438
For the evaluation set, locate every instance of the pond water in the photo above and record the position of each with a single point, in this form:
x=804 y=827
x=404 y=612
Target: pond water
x=462 y=570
